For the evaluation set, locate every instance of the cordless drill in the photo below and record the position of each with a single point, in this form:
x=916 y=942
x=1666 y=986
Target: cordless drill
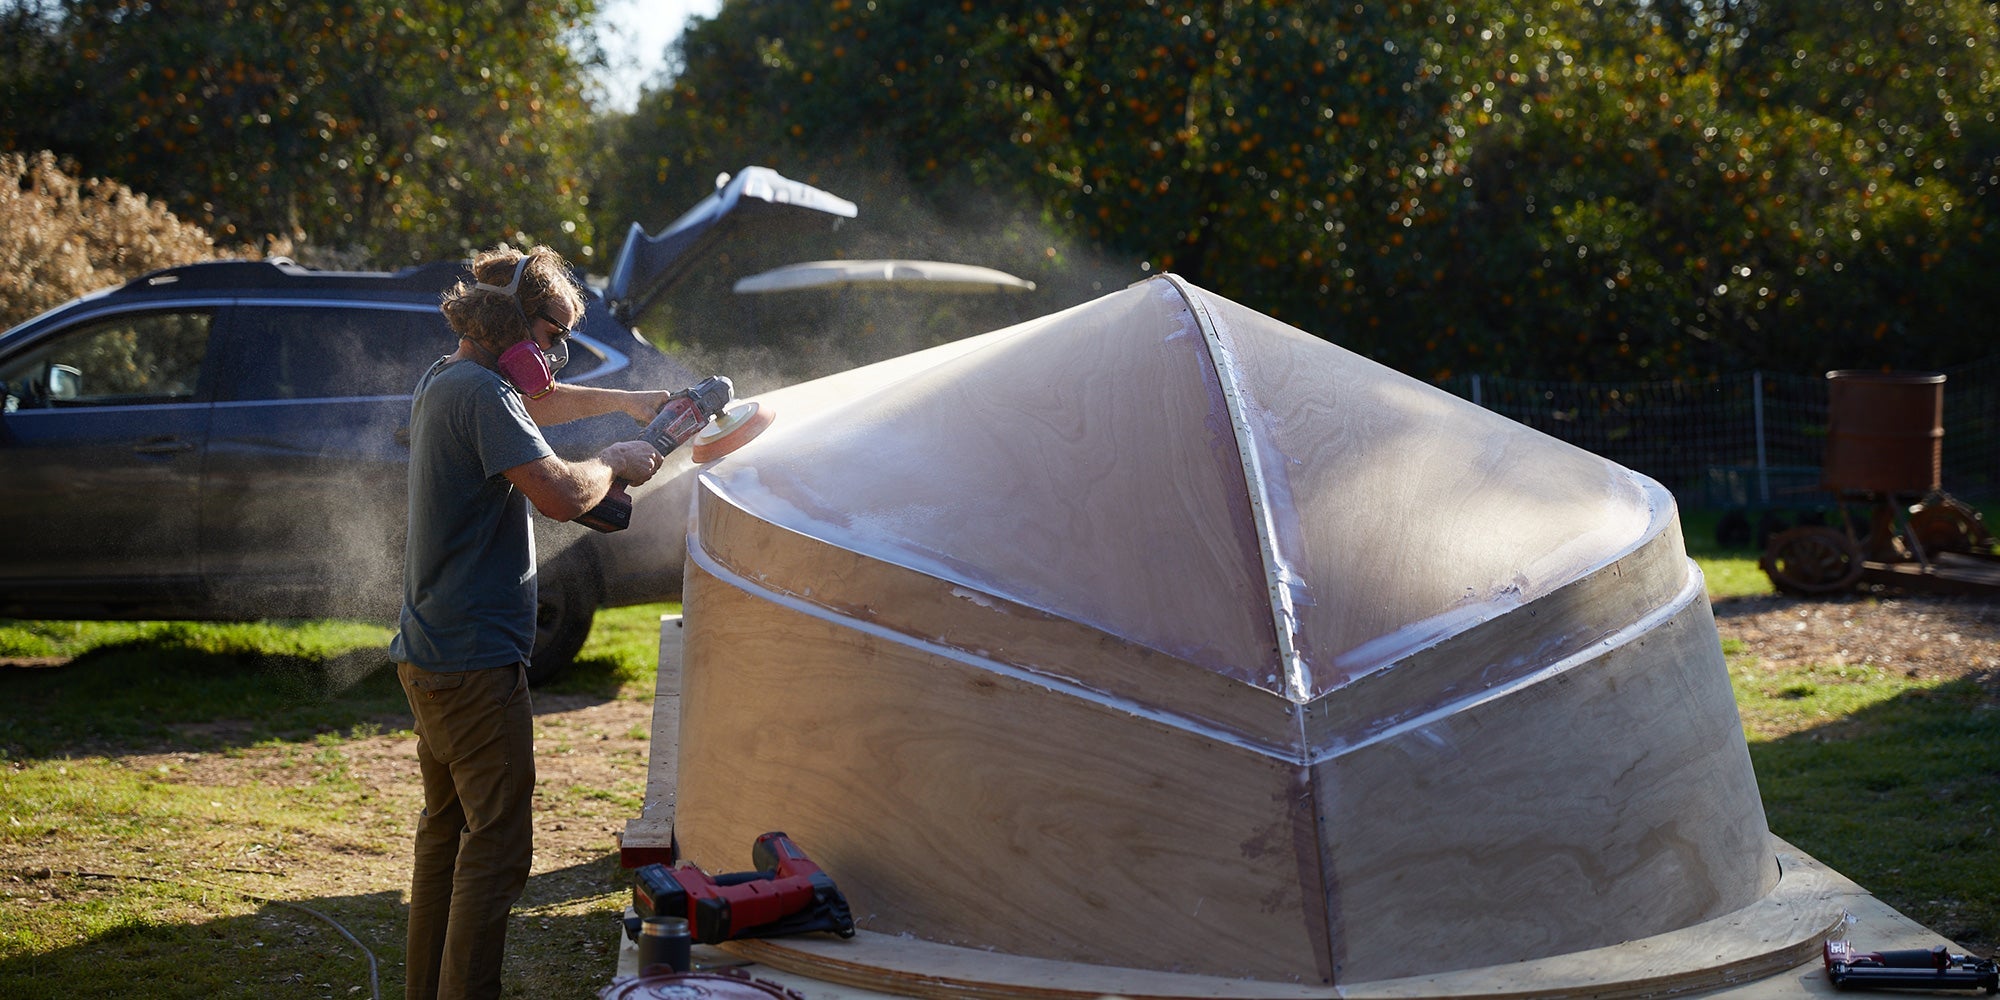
x=685 y=414
x=787 y=894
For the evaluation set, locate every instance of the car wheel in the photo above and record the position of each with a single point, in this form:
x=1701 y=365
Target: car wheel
x=567 y=593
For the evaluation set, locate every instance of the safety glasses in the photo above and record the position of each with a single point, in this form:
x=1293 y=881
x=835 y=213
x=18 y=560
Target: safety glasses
x=561 y=330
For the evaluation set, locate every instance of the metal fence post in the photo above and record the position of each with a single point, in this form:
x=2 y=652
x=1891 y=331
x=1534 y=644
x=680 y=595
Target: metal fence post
x=1757 y=416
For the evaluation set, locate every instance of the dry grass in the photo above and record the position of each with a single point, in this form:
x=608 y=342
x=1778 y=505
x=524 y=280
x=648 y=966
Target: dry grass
x=63 y=235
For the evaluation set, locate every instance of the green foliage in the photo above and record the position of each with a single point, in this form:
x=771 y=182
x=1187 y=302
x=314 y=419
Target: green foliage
x=1623 y=189
x=1615 y=190
x=782 y=85
x=1761 y=185
x=416 y=130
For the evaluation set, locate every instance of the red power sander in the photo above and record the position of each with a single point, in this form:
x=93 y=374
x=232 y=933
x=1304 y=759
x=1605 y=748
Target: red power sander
x=787 y=894
x=732 y=430
x=686 y=413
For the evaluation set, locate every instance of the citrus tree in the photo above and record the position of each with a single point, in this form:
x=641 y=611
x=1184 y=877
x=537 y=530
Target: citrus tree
x=1627 y=188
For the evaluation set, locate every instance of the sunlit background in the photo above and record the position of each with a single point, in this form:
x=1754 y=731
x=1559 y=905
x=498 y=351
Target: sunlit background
x=635 y=35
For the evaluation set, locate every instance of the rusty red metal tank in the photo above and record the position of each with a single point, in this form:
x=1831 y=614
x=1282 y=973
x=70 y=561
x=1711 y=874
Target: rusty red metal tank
x=1885 y=452
x=1885 y=432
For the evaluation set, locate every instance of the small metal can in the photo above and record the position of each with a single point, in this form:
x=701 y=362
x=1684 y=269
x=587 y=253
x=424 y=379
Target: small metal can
x=663 y=941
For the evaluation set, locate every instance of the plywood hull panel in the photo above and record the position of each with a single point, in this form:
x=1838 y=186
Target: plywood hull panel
x=1494 y=647
x=1033 y=449
x=1157 y=635
x=967 y=805
x=1401 y=509
x=1609 y=798
x=1782 y=931
x=920 y=607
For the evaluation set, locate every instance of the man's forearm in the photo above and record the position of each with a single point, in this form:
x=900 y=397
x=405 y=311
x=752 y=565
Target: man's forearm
x=592 y=479
x=562 y=490
x=565 y=402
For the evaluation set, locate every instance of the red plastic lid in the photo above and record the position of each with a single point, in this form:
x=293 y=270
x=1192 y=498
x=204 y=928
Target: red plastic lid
x=696 y=986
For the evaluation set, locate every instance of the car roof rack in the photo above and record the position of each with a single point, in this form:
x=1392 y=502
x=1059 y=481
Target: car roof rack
x=283 y=272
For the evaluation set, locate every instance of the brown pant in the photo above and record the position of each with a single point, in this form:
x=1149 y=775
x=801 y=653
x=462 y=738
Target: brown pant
x=474 y=844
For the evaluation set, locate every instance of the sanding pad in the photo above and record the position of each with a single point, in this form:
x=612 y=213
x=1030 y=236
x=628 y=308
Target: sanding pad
x=732 y=429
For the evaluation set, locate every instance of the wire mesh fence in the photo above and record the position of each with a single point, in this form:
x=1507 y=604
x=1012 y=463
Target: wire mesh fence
x=1754 y=440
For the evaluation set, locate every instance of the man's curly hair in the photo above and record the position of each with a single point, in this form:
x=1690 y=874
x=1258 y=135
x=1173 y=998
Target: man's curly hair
x=497 y=322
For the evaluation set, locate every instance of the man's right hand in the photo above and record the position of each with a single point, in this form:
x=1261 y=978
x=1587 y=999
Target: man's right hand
x=633 y=461
x=563 y=490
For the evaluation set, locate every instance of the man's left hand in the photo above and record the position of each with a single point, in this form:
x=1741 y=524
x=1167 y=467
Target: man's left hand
x=643 y=406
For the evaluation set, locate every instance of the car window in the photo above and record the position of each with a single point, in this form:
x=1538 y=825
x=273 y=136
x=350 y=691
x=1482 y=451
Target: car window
x=129 y=359
x=323 y=352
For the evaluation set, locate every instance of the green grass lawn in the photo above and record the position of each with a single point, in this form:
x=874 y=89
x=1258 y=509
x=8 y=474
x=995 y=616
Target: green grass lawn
x=286 y=680
x=1885 y=777
x=121 y=848
x=1730 y=572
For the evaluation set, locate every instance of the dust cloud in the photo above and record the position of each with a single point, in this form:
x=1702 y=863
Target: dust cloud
x=766 y=341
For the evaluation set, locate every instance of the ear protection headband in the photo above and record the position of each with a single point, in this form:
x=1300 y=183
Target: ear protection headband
x=523 y=364
x=511 y=288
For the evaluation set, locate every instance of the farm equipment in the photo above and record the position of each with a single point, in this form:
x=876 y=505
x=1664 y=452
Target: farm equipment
x=1893 y=525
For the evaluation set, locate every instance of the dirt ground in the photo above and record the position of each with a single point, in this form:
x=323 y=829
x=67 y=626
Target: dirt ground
x=1927 y=637
x=590 y=773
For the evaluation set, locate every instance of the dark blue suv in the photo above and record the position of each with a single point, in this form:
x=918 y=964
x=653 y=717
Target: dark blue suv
x=229 y=440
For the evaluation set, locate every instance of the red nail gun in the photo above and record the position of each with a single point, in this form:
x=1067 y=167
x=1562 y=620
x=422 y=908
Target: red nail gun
x=685 y=414
x=1909 y=968
x=787 y=894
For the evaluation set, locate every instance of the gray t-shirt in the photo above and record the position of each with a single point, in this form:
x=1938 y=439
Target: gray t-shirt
x=469 y=562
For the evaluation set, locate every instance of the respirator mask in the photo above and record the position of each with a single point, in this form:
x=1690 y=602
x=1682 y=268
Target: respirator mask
x=527 y=366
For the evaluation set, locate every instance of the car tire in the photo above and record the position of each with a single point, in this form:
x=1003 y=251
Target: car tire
x=566 y=597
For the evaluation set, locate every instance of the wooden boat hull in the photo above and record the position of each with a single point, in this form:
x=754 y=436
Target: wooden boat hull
x=1157 y=635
